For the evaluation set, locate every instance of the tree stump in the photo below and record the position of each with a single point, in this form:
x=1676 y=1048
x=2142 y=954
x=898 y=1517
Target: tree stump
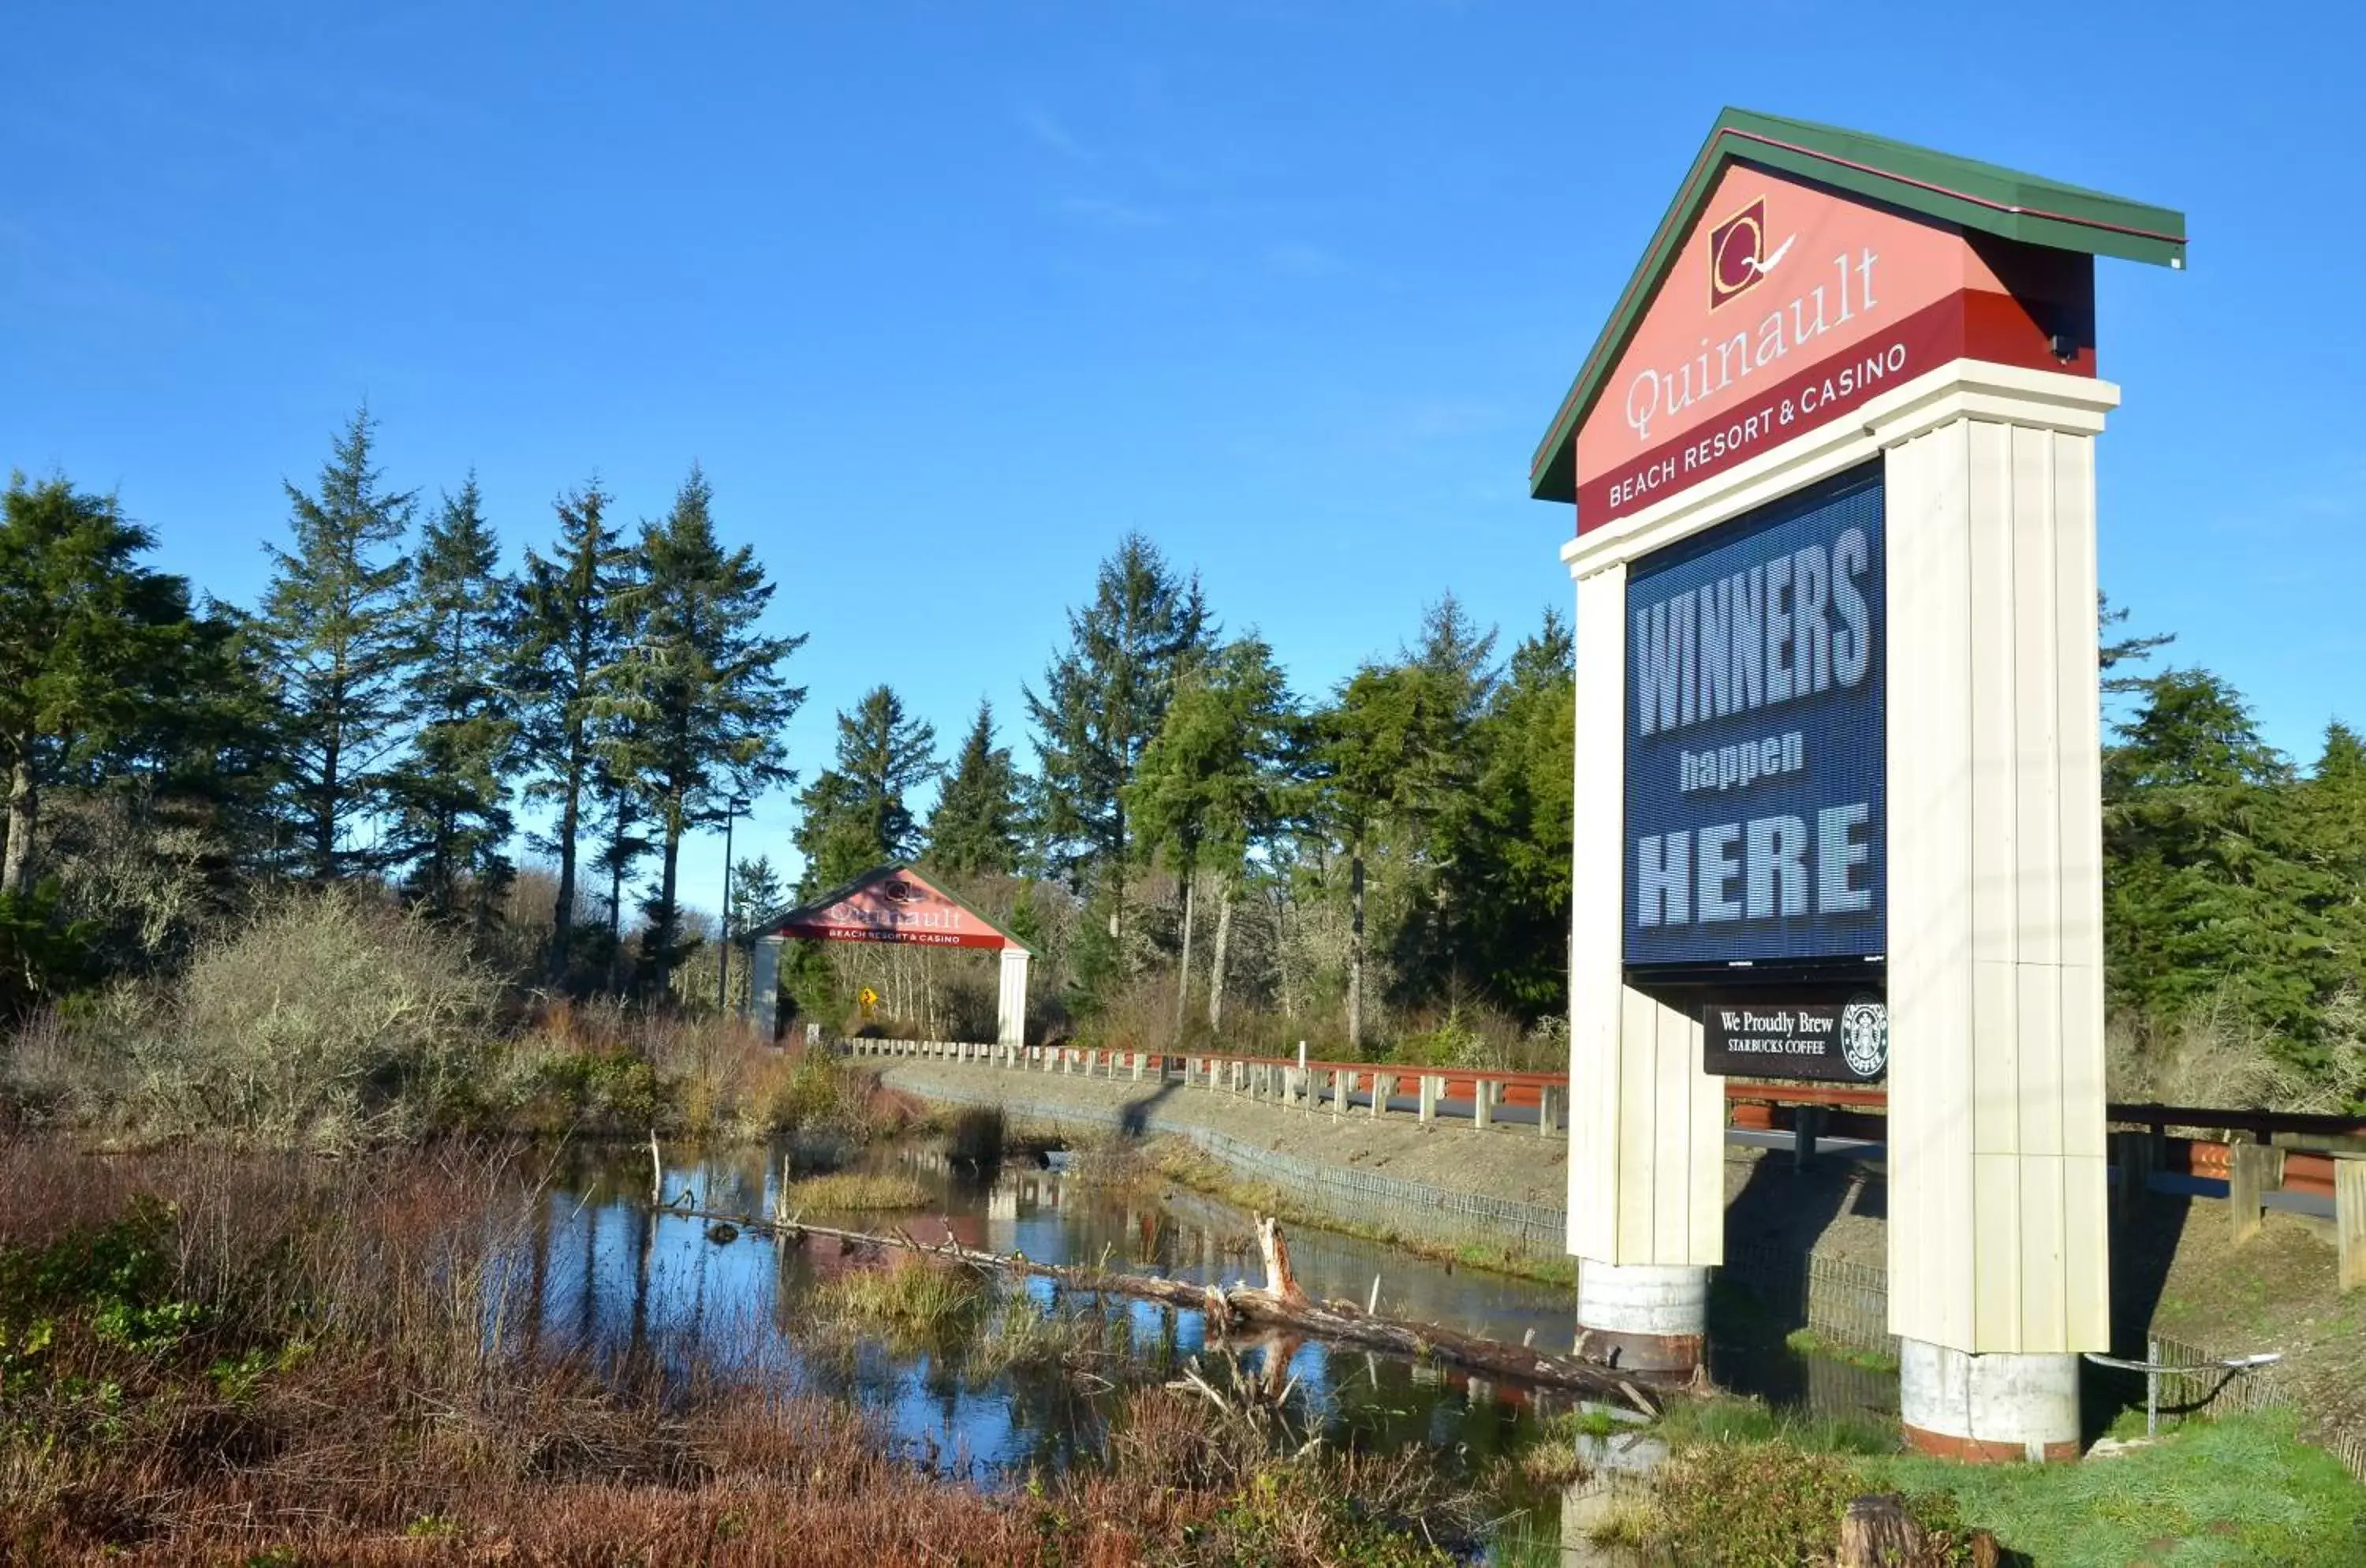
x=1280 y=1283
x=1877 y=1532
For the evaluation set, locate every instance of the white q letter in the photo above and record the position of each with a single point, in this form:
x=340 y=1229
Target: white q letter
x=1640 y=424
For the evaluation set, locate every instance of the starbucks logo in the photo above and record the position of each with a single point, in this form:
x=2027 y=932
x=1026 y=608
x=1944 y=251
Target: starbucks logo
x=1865 y=1036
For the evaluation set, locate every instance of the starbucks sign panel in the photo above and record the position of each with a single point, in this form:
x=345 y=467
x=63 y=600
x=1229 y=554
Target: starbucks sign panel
x=1754 y=799
x=1841 y=1041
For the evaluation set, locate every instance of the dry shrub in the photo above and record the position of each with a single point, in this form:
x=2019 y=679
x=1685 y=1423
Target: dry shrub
x=1475 y=1036
x=1115 y=1162
x=151 y=877
x=599 y=1067
x=2212 y=1056
x=329 y=1020
x=52 y=1073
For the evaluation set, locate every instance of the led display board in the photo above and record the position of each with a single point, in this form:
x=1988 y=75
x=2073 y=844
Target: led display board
x=1754 y=738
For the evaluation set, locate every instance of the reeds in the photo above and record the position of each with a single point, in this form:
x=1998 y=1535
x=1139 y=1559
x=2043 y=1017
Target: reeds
x=852 y=1191
x=909 y=1299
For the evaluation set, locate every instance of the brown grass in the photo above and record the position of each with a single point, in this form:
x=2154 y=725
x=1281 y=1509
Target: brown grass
x=853 y=1190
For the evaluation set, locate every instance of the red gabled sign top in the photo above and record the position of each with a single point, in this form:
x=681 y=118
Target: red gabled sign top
x=892 y=903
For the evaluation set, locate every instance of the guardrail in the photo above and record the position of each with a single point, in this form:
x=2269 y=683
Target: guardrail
x=1484 y=1099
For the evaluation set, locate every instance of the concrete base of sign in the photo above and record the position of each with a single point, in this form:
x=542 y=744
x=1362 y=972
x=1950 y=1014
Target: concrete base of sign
x=1642 y=1317
x=1994 y=1407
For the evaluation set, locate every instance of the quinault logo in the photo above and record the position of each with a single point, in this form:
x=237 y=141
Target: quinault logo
x=1738 y=261
x=1865 y=1036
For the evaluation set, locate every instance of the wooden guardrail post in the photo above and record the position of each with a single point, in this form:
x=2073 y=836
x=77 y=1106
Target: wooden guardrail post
x=1430 y=1084
x=1384 y=1085
x=2253 y=1170
x=2349 y=1222
x=1548 y=1099
x=1343 y=1084
x=1482 y=1102
x=1808 y=1123
x=2133 y=1151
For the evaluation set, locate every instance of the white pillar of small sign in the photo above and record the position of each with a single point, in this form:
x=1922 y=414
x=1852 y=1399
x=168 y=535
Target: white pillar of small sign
x=764 y=988
x=1010 y=1002
x=1646 y=1125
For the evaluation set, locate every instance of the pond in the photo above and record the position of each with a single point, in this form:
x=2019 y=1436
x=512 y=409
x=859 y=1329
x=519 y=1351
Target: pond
x=609 y=1275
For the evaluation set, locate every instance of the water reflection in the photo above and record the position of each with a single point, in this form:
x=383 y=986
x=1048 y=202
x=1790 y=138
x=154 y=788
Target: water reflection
x=609 y=1277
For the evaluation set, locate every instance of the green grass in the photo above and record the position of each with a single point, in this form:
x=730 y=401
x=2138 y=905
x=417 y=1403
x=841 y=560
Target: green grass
x=1807 y=1342
x=911 y=1301
x=1746 y=1421
x=2240 y=1491
x=1749 y=1481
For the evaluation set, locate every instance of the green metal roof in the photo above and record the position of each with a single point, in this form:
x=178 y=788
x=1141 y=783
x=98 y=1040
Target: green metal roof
x=1960 y=191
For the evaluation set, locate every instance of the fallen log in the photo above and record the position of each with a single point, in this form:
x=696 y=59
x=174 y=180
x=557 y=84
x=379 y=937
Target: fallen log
x=1244 y=1305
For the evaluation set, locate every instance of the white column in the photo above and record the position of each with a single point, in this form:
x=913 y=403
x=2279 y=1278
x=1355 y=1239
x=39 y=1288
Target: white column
x=1010 y=1004
x=764 y=988
x=1999 y=1261
x=1646 y=1125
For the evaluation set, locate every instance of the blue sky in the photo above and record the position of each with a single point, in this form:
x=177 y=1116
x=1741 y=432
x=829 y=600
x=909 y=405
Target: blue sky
x=946 y=297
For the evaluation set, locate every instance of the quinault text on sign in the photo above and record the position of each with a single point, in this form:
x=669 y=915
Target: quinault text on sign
x=1788 y=306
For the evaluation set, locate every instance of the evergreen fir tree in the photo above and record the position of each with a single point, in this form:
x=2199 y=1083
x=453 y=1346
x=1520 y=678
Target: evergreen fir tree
x=698 y=693
x=756 y=891
x=624 y=844
x=332 y=626
x=2208 y=893
x=93 y=647
x=2118 y=646
x=1369 y=747
x=1452 y=672
x=567 y=653
x=1514 y=865
x=451 y=790
x=855 y=815
x=975 y=830
x=1103 y=699
x=1212 y=782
